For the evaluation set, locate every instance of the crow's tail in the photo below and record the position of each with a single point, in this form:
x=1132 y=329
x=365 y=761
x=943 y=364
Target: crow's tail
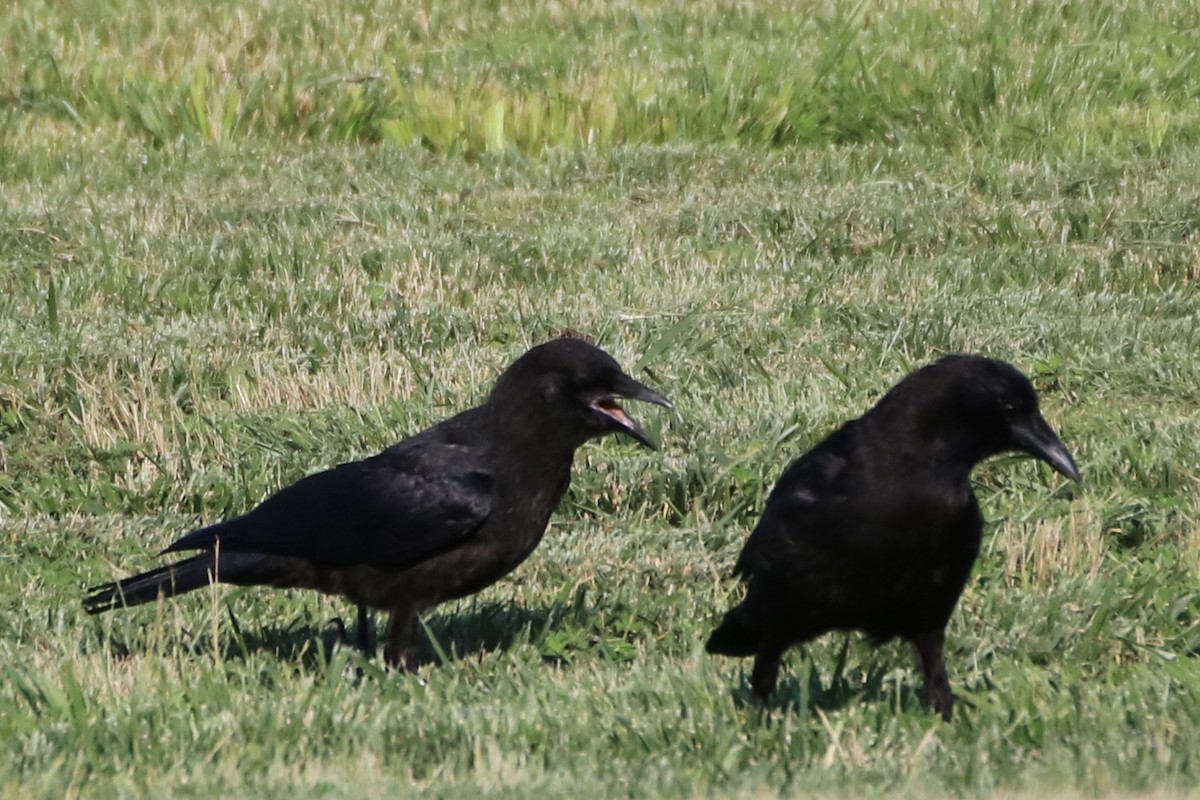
x=178 y=578
x=734 y=637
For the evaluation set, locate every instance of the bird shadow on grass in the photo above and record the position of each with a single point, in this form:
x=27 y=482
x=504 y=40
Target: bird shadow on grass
x=486 y=628
x=297 y=642
x=451 y=636
x=310 y=646
x=811 y=688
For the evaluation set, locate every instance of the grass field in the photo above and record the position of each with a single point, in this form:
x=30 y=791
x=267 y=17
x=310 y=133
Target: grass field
x=240 y=242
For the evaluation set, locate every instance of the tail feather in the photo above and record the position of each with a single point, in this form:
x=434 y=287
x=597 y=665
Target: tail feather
x=202 y=569
x=167 y=581
x=734 y=636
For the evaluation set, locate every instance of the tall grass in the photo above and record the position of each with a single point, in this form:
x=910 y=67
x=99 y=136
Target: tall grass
x=477 y=77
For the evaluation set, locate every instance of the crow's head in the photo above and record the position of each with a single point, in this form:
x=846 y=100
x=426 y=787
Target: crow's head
x=988 y=406
x=569 y=388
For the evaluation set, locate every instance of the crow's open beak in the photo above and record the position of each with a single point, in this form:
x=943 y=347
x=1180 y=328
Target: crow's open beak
x=1036 y=437
x=629 y=388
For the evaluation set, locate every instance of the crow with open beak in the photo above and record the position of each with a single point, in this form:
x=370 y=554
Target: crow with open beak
x=438 y=516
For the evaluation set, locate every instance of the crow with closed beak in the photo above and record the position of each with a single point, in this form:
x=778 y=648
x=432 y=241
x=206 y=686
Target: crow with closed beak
x=877 y=527
x=436 y=517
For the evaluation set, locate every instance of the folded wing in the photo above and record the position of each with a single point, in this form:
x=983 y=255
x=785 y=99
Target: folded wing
x=392 y=511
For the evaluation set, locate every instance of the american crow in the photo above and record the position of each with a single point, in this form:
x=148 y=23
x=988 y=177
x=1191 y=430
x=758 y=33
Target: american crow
x=435 y=517
x=876 y=528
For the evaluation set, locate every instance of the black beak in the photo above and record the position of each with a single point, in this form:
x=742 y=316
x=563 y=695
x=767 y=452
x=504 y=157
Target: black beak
x=628 y=388
x=1035 y=436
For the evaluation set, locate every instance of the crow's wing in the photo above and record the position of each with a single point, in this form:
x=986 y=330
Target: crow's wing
x=393 y=510
x=805 y=503
x=857 y=502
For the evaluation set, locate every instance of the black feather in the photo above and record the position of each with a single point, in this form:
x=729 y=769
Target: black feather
x=438 y=516
x=877 y=527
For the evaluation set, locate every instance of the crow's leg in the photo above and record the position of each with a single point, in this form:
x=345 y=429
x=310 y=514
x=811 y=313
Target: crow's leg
x=766 y=670
x=400 y=650
x=933 y=664
x=363 y=633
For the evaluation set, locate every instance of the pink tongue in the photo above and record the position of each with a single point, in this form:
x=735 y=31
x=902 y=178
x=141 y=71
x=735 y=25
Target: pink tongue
x=614 y=411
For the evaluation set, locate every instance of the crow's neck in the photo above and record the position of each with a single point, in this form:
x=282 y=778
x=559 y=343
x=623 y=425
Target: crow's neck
x=946 y=442
x=529 y=445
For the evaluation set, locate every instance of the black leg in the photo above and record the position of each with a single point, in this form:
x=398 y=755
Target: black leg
x=933 y=665
x=365 y=645
x=766 y=672
x=400 y=650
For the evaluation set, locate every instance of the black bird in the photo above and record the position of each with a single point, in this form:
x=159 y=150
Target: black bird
x=435 y=517
x=876 y=528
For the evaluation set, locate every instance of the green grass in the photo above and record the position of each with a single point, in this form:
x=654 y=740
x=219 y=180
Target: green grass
x=242 y=242
x=470 y=77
